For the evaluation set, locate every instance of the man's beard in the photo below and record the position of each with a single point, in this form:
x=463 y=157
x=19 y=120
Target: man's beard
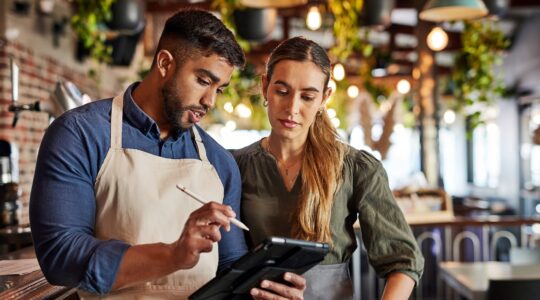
x=173 y=106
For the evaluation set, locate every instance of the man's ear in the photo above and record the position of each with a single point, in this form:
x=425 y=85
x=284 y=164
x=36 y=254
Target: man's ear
x=264 y=81
x=165 y=62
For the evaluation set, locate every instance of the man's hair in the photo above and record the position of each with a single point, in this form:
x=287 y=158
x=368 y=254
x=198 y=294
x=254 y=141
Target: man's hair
x=195 y=31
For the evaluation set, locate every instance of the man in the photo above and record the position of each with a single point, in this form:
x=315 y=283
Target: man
x=105 y=212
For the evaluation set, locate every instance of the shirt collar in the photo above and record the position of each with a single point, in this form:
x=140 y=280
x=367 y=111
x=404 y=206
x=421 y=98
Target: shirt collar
x=138 y=118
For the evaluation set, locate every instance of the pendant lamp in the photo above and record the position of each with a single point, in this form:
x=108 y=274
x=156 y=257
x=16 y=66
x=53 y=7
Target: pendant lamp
x=272 y=3
x=452 y=10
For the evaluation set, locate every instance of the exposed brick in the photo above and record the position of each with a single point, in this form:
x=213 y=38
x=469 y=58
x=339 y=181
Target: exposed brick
x=37 y=78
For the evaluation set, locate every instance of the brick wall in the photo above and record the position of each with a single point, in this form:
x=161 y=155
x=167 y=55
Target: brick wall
x=37 y=79
x=28 y=39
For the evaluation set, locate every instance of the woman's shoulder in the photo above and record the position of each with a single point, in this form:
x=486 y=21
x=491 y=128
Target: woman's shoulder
x=246 y=152
x=361 y=160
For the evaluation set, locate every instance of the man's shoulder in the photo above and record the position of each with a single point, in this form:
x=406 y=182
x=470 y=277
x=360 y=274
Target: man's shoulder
x=216 y=153
x=95 y=112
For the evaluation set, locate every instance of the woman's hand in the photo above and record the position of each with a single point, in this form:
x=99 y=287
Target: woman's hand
x=277 y=291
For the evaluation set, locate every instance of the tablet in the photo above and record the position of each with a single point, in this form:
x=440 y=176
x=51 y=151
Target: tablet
x=269 y=260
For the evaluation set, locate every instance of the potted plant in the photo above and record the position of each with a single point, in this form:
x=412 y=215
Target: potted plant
x=86 y=22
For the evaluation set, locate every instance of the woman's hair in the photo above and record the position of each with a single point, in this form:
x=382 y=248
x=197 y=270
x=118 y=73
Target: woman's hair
x=323 y=155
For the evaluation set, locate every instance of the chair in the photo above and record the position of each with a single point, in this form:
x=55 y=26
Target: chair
x=523 y=256
x=524 y=289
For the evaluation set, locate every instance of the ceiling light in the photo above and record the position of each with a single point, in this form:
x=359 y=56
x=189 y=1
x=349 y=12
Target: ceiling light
x=313 y=18
x=437 y=39
x=452 y=10
x=339 y=72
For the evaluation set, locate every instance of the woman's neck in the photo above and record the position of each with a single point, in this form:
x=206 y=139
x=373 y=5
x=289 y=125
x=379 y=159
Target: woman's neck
x=285 y=150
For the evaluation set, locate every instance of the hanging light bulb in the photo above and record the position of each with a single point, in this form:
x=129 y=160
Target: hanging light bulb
x=339 y=72
x=403 y=86
x=437 y=39
x=313 y=18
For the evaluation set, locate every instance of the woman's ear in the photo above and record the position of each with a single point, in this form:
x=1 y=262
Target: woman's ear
x=326 y=95
x=165 y=62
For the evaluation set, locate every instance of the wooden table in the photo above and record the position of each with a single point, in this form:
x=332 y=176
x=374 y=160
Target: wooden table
x=471 y=280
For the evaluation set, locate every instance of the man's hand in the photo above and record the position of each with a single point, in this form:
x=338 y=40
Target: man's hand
x=277 y=291
x=200 y=232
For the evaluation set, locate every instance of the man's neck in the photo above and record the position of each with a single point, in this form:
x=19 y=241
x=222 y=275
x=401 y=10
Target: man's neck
x=148 y=97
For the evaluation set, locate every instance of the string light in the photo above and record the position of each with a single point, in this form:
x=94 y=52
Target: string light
x=403 y=86
x=243 y=111
x=353 y=91
x=449 y=116
x=228 y=107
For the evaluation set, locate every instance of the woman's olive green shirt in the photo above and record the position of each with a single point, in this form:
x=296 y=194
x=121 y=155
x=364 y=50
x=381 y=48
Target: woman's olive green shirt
x=267 y=209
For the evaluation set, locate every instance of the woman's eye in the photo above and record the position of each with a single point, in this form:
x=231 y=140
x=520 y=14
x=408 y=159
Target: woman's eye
x=308 y=98
x=281 y=93
x=219 y=91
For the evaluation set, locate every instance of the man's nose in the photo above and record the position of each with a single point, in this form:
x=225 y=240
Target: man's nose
x=208 y=100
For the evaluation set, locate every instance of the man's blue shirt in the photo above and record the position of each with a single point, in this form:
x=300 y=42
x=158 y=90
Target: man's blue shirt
x=63 y=204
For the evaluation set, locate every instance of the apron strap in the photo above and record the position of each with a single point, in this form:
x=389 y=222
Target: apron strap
x=116 y=122
x=198 y=143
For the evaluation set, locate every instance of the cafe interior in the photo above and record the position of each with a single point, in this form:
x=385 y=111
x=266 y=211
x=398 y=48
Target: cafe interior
x=445 y=93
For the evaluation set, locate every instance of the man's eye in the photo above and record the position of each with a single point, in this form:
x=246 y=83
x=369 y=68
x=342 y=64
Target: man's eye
x=220 y=91
x=203 y=82
x=308 y=98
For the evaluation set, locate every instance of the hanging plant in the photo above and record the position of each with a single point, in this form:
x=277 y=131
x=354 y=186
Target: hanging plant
x=87 y=22
x=348 y=35
x=474 y=76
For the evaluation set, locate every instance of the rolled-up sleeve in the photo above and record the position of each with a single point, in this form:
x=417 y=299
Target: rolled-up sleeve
x=389 y=241
x=62 y=215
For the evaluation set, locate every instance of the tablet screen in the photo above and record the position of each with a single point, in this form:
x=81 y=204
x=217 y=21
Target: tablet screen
x=269 y=260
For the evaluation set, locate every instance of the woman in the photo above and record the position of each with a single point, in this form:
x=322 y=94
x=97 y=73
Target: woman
x=302 y=182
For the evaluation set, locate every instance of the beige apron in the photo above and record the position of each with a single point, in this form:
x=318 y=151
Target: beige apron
x=138 y=203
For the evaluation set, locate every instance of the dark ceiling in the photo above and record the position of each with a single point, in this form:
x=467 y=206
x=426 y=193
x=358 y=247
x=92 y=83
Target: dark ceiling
x=518 y=11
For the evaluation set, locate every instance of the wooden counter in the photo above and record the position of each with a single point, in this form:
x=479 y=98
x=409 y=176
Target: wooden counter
x=32 y=285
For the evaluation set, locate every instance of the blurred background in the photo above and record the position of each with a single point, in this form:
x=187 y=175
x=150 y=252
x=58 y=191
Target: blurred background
x=445 y=93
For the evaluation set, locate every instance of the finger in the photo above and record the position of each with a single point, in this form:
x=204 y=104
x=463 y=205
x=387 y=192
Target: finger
x=225 y=209
x=264 y=295
x=281 y=289
x=209 y=232
x=210 y=214
x=297 y=280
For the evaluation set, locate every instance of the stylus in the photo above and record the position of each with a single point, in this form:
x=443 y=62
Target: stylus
x=198 y=199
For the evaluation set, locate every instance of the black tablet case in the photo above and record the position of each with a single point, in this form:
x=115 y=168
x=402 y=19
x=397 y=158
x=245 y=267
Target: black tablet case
x=269 y=260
